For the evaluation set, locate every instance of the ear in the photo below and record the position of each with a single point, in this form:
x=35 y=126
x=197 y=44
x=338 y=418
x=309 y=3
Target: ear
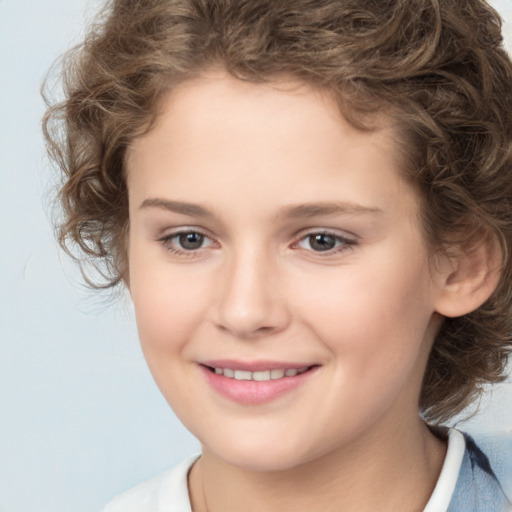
x=468 y=277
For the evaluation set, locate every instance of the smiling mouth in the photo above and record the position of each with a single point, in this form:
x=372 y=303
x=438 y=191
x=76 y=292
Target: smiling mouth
x=256 y=382
x=261 y=375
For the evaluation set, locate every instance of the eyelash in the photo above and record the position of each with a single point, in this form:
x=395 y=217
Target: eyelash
x=166 y=241
x=344 y=243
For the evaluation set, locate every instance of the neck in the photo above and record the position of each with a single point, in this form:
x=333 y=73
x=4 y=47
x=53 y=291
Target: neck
x=397 y=472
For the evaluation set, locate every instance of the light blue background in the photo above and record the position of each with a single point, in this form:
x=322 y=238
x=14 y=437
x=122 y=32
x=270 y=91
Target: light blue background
x=80 y=417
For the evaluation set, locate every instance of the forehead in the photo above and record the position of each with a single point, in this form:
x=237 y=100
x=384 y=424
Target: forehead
x=196 y=104
x=218 y=133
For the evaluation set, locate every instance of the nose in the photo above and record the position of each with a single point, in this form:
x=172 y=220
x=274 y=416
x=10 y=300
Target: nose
x=250 y=302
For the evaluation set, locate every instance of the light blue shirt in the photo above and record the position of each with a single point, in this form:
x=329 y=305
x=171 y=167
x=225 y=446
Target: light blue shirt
x=484 y=483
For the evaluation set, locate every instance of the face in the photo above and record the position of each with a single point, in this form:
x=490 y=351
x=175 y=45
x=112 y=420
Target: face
x=281 y=285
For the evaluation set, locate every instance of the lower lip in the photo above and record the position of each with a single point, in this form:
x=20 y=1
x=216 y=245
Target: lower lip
x=251 y=392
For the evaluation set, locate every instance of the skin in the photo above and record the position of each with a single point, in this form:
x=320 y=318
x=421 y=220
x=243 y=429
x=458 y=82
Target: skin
x=366 y=312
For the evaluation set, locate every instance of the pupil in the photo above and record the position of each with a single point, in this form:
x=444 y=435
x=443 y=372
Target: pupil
x=191 y=241
x=322 y=242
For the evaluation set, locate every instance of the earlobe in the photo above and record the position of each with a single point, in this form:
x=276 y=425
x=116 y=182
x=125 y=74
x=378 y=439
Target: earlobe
x=469 y=278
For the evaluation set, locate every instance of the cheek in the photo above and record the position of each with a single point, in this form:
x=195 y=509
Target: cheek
x=374 y=316
x=374 y=323
x=169 y=302
x=168 y=310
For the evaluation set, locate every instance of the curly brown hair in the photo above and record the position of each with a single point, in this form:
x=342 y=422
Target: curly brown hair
x=438 y=66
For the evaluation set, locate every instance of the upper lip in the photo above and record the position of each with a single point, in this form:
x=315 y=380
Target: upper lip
x=253 y=366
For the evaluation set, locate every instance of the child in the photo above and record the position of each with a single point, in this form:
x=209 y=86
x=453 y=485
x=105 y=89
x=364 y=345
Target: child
x=310 y=203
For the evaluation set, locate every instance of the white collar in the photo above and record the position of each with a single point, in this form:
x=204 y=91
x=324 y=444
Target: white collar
x=440 y=499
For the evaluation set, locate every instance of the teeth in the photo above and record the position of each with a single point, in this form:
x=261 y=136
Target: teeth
x=260 y=376
x=242 y=375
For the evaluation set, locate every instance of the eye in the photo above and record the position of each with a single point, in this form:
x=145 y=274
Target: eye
x=325 y=242
x=190 y=241
x=321 y=241
x=184 y=242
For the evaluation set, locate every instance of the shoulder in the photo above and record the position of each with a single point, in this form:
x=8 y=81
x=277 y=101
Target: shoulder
x=169 y=488
x=484 y=477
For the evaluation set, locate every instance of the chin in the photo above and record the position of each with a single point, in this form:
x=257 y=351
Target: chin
x=250 y=455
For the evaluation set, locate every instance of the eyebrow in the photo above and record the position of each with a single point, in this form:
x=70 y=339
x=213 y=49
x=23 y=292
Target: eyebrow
x=190 y=209
x=307 y=210
x=299 y=211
